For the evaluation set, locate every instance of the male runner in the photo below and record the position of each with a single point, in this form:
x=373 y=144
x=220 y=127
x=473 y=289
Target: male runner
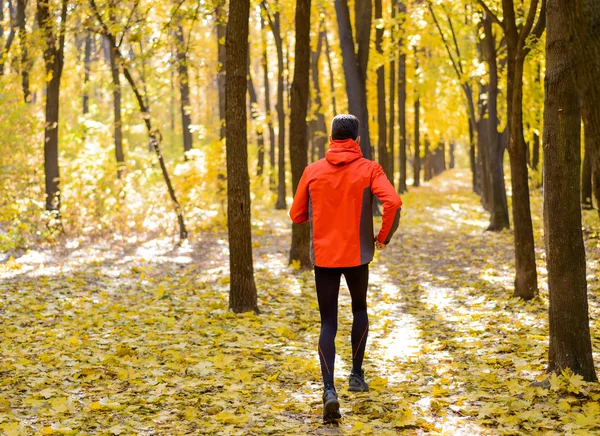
x=336 y=195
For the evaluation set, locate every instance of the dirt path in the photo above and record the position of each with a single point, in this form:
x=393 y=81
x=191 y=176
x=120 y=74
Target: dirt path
x=136 y=338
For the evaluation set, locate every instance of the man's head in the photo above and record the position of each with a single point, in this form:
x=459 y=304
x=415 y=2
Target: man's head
x=344 y=126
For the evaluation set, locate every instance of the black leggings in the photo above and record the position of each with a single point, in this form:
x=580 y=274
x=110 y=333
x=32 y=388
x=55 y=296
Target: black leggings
x=328 y=286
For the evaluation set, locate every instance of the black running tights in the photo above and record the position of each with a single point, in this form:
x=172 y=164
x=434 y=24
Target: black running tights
x=328 y=287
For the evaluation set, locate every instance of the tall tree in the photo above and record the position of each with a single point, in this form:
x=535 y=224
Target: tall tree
x=570 y=343
x=265 y=67
x=184 y=89
x=54 y=47
x=518 y=45
x=87 y=61
x=319 y=132
x=392 y=91
x=355 y=63
x=117 y=124
x=465 y=84
x=242 y=292
x=221 y=20
x=417 y=106
x=257 y=124
x=331 y=79
x=298 y=140
x=142 y=99
x=25 y=62
x=402 y=100
x=584 y=21
x=275 y=24
x=498 y=202
x=382 y=150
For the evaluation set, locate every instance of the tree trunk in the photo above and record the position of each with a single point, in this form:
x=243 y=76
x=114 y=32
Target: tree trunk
x=417 y=156
x=300 y=250
x=221 y=60
x=570 y=343
x=584 y=22
x=319 y=130
x=525 y=269
x=184 y=90
x=331 y=80
x=392 y=91
x=11 y=35
x=586 y=174
x=87 y=62
x=382 y=150
x=25 y=62
x=242 y=291
x=402 y=107
x=428 y=160
x=256 y=120
x=451 y=153
x=355 y=65
x=281 y=187
x=535 y=152
x=473 y=162
x=154 y=134
x=269 y=116
x=499 y=204
x=54 y=61
x=114 y=69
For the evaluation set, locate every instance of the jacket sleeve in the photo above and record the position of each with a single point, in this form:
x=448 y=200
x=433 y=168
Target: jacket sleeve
x=299 y=210
x=385 y=192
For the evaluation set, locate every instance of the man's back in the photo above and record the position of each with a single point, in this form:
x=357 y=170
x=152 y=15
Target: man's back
x=340 y=191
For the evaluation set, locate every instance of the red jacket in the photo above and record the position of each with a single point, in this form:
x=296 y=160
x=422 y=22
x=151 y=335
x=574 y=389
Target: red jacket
x=336 y=195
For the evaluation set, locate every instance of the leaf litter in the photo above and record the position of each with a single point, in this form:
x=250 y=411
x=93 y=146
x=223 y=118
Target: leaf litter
x=118 y=339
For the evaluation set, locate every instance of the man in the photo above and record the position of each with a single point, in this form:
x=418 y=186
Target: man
x=336 y=195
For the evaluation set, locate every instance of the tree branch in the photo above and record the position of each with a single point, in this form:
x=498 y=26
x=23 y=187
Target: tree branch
x=493 y=16
x=526 y=30
x=538 y=30
x=456 y=48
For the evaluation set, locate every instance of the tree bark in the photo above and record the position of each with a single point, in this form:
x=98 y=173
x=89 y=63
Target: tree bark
x=417 y=156
x=25 y=62
x=117 y=124
x=281 y=185
x=269 y=116
x=570 y=344
x=242 y=291
x=382 y=150
x=54 y=61
x=184 y=90
x=355 y=64
x=584 y=22
x=221 y=60
x=256 y=120
x=402 y=104
x=451 y=153
x=586 y=174
x=319 y=131
x=87 y=62
x=535 y=152
x=11 y=35
x=300 y=250
x=331 y=80
x=499 y=205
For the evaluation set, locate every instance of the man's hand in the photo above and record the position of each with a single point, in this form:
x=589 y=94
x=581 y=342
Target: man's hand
x=379 y=245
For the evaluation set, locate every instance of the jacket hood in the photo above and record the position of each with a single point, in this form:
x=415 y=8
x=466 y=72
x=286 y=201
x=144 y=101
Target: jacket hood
x=343 y=152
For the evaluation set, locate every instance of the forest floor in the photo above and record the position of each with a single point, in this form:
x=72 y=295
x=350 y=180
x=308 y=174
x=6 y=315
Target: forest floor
x=120 y=337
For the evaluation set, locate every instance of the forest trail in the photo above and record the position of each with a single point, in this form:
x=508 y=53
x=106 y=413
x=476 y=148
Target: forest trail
x=136 y=338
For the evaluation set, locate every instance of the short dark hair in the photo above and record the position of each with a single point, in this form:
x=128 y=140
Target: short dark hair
x=344 y=126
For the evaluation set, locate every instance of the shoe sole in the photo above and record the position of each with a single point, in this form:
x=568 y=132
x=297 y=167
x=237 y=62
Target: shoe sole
x=331 y=411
